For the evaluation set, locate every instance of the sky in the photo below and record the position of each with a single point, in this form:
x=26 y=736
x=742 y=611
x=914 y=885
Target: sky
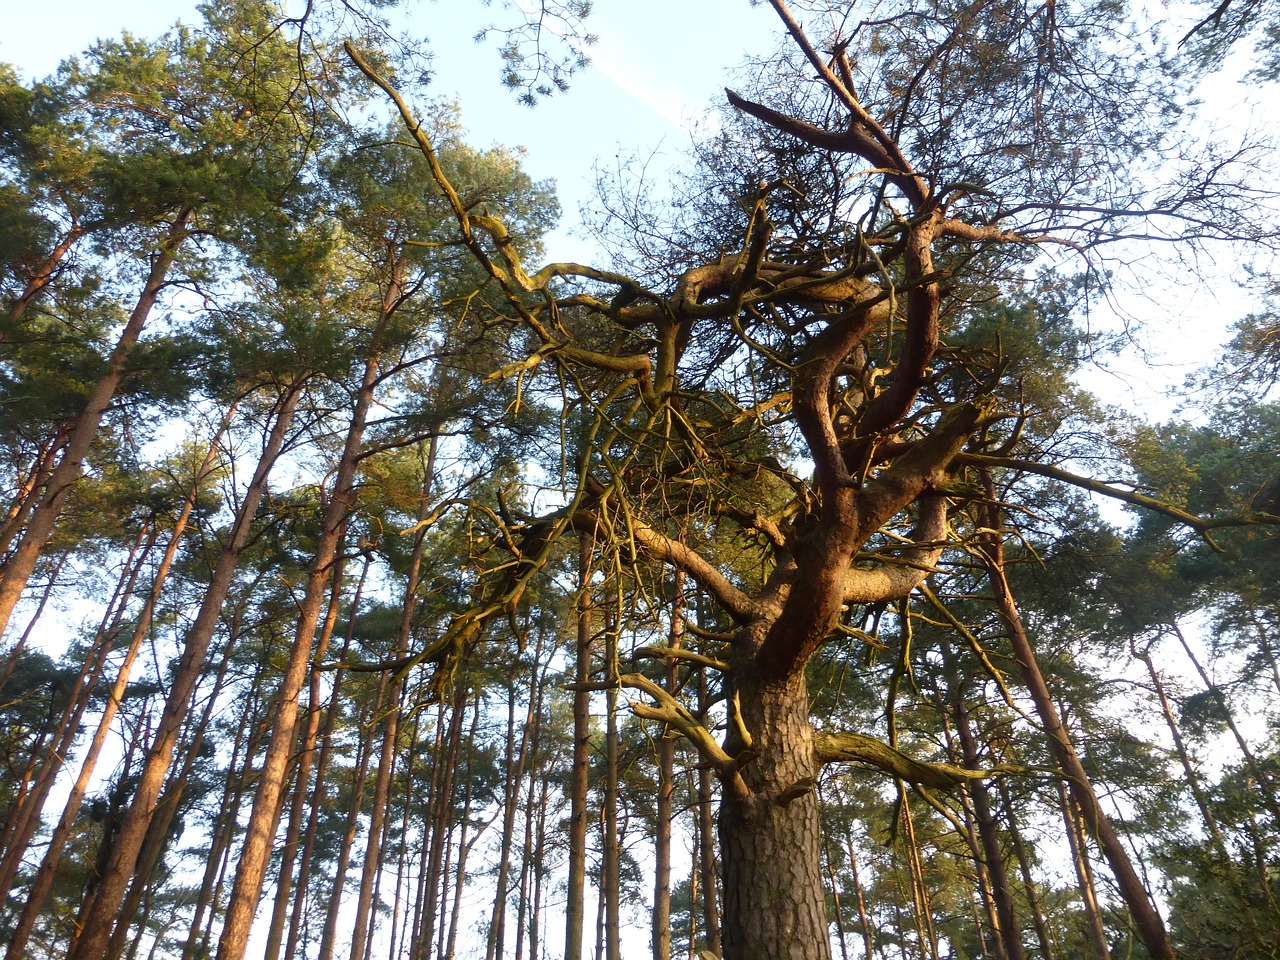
x=657 y=68
x=646 y=85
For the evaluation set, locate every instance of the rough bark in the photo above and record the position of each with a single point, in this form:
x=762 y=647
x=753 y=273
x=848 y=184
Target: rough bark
x=774 y=906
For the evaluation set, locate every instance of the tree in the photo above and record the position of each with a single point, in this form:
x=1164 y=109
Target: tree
x=836 y=304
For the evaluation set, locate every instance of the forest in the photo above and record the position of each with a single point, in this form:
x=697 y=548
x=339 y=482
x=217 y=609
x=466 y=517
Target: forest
x=780 y=586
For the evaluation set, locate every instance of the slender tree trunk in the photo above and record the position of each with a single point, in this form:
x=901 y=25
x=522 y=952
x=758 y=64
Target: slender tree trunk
x=322 y=762
x=48 y=754
x=302 y=779
x=92 y=942
x=660 y=936
x=610 y=870
x=1146 y=919
x=530 y=860
x=1268 y=795
x=329 y=935
x=43 y=880
x=391 y=725
x=868 y=937
x=706 y=853
x=575 y=903
x=1009 y=931
x=1024 y=868
x=539 y=870
x=1080 y=860
x=465 y=843
x=223 y=832
x=159 y=830
x=835 y=893
x=40 y=277
x=920 y=890
x=265 y=816
x=1188 y=769
x=421 y=931
x=28 y=489
x=16 y=573
x=516 y=759
x=441 y=810
x=406 y=820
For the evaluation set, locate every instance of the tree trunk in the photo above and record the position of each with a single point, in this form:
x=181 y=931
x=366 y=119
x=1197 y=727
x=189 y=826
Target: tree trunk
x=302 y=776
x=770 y=838
x=1084 y=882
x=868 y=937
x=329 y=936
x=18 y=570
x=39 y=278
x=1146 y=919
x=611 y=855
x=265 y=815
x=706 y=853
x=391 y=726
x=43 y=880
x=579 y=783
x=1268 y=794
x=1009 y=932
x=465 y=843
x=96 y=930
x=660 y=936
x=322 y=762
x=48 y=756
x=441 y=807
x=1024 y=868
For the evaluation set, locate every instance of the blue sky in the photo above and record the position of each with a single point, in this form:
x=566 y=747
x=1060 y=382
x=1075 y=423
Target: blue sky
x=646 y=84
x=657 y=68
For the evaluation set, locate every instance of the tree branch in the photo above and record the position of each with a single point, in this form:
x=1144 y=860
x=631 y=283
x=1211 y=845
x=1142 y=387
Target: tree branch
x=860 y=748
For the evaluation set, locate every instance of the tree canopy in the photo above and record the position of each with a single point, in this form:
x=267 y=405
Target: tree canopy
x=787 y=528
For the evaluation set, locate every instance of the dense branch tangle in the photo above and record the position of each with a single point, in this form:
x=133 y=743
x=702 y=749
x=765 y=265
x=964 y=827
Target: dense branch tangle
x=836 y=336
x=873 y=453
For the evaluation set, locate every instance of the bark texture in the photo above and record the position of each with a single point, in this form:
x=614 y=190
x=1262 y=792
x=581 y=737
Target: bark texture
x=774 y=907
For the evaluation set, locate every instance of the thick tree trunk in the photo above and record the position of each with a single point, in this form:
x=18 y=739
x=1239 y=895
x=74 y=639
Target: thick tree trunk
x=770 y=838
